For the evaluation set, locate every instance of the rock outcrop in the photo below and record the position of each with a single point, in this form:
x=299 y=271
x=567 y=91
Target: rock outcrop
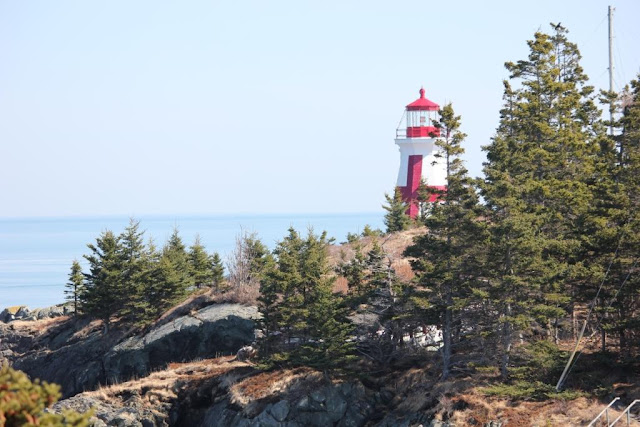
x=343 y=404
x=217 y=329
x=79 y=357
x=10 y=314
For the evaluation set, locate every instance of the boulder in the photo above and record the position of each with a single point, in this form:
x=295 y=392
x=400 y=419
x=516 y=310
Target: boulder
x=246 y=353
x=216 y=329
x=280 y=410
x=50 y=312
x=23 y=313
x=9 y=314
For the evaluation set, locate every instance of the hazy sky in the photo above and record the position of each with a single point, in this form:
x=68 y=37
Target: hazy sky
x=196 y=107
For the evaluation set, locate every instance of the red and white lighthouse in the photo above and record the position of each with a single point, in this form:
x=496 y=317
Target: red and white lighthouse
x=416 y=138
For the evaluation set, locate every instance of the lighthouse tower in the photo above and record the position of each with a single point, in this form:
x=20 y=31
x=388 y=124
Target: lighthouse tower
x=415 y=138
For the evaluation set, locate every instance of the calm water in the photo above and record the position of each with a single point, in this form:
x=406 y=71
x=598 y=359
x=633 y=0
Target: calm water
x=36 y=254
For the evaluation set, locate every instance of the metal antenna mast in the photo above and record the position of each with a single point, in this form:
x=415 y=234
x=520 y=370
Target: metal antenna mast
x=611 y=9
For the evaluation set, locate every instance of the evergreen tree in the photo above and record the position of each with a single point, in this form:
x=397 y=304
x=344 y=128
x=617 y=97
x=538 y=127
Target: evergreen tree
x=396 y=218
x=133 y=272
x=354 y=270
x=172 y=279
x=613 y=234
x=626 y=305
x=75 y=286
x=102 y=297
x=367 y=231
x=447 y=258
x=201 y=264
x=217 y=270
x=27 y=403
x=537 y=186
x=297 y=302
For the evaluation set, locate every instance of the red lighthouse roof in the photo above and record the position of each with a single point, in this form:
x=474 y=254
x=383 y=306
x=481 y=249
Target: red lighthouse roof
x=423 y=104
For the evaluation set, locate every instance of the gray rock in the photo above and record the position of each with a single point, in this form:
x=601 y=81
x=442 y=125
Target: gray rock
x=80 y=364
x=280 y=410
x=10 y=314
x=265 y=419
x=336 y=405
x=23 y=313
x=316 y=419
x=222 y=328
x=246 y=353
x=356 y=414
x=319 y=395
x=50 y=312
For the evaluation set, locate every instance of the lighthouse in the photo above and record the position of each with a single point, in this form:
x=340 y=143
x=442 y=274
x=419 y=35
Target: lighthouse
x=419 y=162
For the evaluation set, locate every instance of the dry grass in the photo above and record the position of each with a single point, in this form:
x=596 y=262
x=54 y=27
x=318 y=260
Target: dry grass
x=245 y=295
x=393 y=245
x=341 y=285
x=472 y=408
x=195 y=301
x=164 y=385
x=273 y=383
x=37 y=327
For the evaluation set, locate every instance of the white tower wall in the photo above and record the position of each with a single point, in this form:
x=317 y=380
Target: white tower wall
x=434 y=171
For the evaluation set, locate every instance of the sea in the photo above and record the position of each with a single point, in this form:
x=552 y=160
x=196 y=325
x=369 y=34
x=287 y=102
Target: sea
x=36 y=253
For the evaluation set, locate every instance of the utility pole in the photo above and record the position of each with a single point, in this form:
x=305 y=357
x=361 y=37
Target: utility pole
x=611 y=107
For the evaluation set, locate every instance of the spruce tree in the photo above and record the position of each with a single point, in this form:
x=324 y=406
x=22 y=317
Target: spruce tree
x=134 y=266
x=447 y=258
x=626 y=305
x=201 y=264
x=536 y=186
x=103 y=290
x=297 y=302
x=396 y=218
x=26 y=403
x=75 y=287
x=354 y=270
x=172 y=278
x=614 y=224
x=217 y=270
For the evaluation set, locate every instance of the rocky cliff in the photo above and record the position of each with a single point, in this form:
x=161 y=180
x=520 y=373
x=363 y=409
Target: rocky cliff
x=78 y=356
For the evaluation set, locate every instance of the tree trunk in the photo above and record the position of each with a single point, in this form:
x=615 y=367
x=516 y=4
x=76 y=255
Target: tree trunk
x=446 y=338
x=506 y=345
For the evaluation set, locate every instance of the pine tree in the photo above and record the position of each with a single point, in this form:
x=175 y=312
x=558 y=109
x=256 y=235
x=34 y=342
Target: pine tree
x=201 y=264
x=75 y=287
x=103 y=286
x=396 y=218
x=447 y=258
x=537 y=186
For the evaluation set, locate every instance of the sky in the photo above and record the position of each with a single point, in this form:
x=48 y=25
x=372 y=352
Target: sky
x=210 y=107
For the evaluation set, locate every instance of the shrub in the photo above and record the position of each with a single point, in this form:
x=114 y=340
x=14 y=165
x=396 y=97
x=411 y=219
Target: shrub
x=23 y=402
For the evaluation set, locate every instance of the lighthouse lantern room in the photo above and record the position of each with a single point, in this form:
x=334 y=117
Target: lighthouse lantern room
x=419 y=162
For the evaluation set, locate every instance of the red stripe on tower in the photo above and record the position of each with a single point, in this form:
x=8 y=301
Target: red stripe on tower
x=410 y=192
